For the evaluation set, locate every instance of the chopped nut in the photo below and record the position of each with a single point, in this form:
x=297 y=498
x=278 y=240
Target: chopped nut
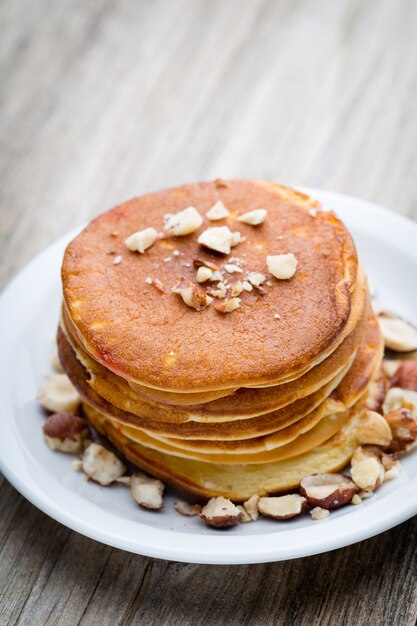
x=404 y=430
x=184 y=222
x=251 y=507
x=220 y=291
x=399 y=335
x=216 y=277
x=237 y=238
x=148 y=280
x=277 y=316
x=405 y=376
x=254 y=218
x=247 y=286
x=117 y=259
x=256 y=278
x=101 y=465
x=282 y=266
x=365 y=495
x=236 y=289
x=167 y=259
x=141 y=240
x=367 y=470
x=204 y=274
x=77 y=465
x=375 y=395
x=281 y=507
x=158 y=284
x=147 y=491
x=390 y=366
x=318 y=514
x=233 y=269
x=391 y=465
x=356 y=499
x=312 y=212
x=186 y=509
x=228 y=305
x=65 y=432
x=328 y=491
x=217 y=212
x=176 y=253
x=123 y=480
x=245 y=515
x=397 y=398
x=192 y=296
x=58 y=395
x=218 y=238
x=201 y=263
x=221 y=513
x=373 y=429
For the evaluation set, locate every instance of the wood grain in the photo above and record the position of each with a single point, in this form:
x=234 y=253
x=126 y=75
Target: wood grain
x=101 y=100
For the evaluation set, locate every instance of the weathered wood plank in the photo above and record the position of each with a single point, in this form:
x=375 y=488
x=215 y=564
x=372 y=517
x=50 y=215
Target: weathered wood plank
x=102 y=100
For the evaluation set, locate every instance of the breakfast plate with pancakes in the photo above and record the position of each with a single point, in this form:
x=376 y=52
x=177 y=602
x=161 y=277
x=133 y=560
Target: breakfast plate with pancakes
x=228 y=383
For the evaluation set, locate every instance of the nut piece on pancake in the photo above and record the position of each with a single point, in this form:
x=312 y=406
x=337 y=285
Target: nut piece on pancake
x=101 y=465
x=204 y=274
x=184 y=222
x=256 y=279
x=399 y=335
x=217 y=212
x=221 y=513
x=373 y=429
x=366 y=469
x=254 y=218
x=404 y=430
x=187 y=509
x=58 y=395
x=146 y=491
x=228 y=305
x=251 y=507
x=218 y=238
x=405 y=376
x=65 y=432
x=231 y=268
x=281 y=507
x=318 y=514
x=141 y=240
x=192 y=296
x=327 y=491
x=282 y=266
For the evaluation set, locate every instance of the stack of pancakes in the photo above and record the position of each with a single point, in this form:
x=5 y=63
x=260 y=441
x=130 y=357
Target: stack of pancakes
x=232 y=404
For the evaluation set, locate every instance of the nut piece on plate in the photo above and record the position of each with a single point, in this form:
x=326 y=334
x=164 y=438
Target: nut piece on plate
x=218 y=238
x=281 y=507
x=101 y=465
x=192 y=296
x=399 y=335
x=141 y=240
x=251 y=507
x=58 y=395
x=245 y=515
x=391 y=465
x=187 y=509
x=404 y=430
x=373 y=429
x=65 y=432
x=217 y=212
x=147 y=491
x=204 y=274
x=228 y=305
x=366 y=469
x=221 y=513
x=184 y=222
x=318 y=514
x=390 y=366
x=254 y=218
x=398 y=398
x=282 y=266
x=327 y=491
x=405 y=376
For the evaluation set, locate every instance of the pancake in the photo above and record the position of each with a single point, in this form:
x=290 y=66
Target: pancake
x=143 y=335
x=239 y=481
x=253 y=402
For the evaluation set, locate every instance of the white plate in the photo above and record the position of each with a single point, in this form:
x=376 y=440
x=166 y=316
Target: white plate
x=387 y=245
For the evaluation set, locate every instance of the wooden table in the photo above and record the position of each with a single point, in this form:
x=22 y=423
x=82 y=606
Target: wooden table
x=102 y=100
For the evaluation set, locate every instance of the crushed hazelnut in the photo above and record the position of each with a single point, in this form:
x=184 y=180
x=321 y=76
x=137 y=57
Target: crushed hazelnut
x=184 y=222
x=405 y=376
x=218 y=238
x=236 y=289
x=101 y=465
x=232 y=269
x=65 y=432
x=176 y=253
x=356 y=499
x=221 y=513
x=117 y=259
x=228 y=305
x=251 y=507
x=192 y=296
x=186 y=509
x=141 y=240
x=281 y=507
x=201 y=263
x=399 y=335
x=58 y=395
x=148 y=280
x=254 y=218
x=220 y=291
x=245 y=515
x=282 y=266
x=256 y=278
x=247 y=286
x=318 y=514
x=217 y=212
x=204 y=274
x=373 y=429
x=277 y=316
x=328 y=491
x=237 y=238
x=404 y=430
x=146 y=491
x=367 y=470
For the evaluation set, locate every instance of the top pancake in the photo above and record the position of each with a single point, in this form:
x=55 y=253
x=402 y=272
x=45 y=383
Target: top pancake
x=154 y=339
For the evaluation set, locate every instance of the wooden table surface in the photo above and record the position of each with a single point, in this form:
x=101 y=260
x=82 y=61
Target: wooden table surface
x=102 y=100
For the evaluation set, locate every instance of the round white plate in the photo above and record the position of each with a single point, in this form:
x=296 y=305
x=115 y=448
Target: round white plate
x=387 y=244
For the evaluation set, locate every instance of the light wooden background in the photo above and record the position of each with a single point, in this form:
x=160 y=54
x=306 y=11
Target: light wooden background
x=102 y=100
